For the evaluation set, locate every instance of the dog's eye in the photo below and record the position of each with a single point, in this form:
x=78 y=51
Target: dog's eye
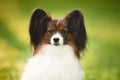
x=49 y=31
x=64 y=31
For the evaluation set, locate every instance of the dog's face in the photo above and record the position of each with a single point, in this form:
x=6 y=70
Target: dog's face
x=69 y=30
x=57 y=33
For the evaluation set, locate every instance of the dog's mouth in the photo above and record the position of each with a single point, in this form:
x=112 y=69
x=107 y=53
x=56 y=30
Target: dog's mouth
x=56 y=44
x=56 y=40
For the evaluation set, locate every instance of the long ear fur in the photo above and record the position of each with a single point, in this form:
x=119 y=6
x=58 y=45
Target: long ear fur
x=75 y=23
x=38 y=26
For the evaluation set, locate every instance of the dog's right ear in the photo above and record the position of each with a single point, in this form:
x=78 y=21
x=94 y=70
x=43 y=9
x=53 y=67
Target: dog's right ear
x=38 y=26
x=75 y=23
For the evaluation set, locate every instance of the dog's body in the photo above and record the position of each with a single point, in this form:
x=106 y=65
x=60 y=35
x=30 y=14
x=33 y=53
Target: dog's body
x=57 y=47
x=53 y=63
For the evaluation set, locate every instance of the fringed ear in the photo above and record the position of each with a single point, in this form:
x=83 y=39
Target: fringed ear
x=38 y=26
x=75 y=24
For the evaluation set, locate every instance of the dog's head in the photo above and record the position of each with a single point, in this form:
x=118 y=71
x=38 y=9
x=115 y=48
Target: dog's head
x=69 y=30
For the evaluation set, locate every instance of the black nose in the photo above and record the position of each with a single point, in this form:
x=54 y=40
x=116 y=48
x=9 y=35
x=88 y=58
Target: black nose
x=56 y=40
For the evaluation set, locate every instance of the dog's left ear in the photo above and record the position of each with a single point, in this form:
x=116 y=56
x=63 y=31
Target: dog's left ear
x=75 y=24
x=38 y=26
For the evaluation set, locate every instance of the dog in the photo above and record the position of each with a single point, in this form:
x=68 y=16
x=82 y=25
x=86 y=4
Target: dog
x=58 y=45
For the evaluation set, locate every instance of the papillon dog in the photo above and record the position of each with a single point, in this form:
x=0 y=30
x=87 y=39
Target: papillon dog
x=58 y=45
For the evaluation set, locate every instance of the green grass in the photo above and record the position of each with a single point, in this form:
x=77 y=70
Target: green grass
x=101 y=59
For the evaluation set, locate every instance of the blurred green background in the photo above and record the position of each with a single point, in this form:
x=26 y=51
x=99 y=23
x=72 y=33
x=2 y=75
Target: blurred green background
x=102 y=19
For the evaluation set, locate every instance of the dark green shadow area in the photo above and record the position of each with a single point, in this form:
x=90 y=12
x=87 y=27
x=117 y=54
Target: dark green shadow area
x=7 y=35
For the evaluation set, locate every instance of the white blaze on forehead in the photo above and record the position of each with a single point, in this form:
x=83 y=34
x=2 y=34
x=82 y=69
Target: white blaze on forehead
x=58 y=22
x=56 y=35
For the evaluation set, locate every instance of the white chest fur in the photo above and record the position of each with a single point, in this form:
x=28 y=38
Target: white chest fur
x=53 y=63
